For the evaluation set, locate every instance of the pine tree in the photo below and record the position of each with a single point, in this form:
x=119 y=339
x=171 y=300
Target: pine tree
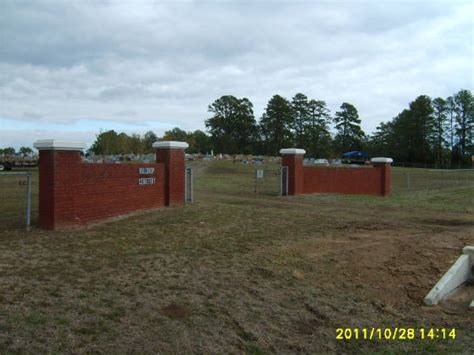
x=275 y=125
x=300 y=118
x=232 y=127
x=349 y=133
x=464 y=120
x=440 y=107
x=317 y=133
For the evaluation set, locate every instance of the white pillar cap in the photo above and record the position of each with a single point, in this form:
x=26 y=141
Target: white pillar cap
x=292 y=151
x=55 y=144
x=170 y=145
x=469 y=250
x=382 y=160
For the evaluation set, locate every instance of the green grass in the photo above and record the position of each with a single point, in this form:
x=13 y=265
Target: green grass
x=452 y=199
x=237 y=272
x=237 y=179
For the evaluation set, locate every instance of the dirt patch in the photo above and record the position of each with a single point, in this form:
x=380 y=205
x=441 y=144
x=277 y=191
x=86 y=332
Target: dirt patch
x=450 y=222
x=458 y=302
x=176 y=311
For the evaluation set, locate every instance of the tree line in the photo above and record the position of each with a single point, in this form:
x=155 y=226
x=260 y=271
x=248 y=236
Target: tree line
x=301 y=122
x=429 y=131
x=113 y=143
x=435 y=131
x=23 y=151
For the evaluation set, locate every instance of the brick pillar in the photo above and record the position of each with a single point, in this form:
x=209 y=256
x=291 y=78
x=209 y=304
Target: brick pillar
x=59 y=173
x=385 y=171
x=172 y=155
x=293 y=159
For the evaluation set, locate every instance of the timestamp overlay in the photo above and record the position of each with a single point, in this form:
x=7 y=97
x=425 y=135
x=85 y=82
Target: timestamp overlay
x=395 y=333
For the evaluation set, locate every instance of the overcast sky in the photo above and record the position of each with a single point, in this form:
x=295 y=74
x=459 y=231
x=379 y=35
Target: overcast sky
x=71 y=68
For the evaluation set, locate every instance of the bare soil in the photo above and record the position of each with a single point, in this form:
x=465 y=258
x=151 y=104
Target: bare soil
x=459 y=300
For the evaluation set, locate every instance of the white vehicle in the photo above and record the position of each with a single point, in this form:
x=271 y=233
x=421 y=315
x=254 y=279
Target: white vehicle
x=321 y=162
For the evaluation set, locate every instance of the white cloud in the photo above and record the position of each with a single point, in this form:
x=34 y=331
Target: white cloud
x=152 y=64
x=26 y=137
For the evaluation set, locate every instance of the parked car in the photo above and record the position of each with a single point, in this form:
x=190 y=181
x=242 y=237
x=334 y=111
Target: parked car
x=355 y=157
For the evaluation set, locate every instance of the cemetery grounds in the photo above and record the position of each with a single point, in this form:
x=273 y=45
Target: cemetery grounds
x=240 y=272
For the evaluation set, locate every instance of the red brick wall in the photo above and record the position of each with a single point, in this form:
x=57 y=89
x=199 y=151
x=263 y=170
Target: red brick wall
x=58 y=175
x=385 y=176
x=173 y=159
x=76 y=193
x=108 y=190
x=363 y=180
x=295 y=173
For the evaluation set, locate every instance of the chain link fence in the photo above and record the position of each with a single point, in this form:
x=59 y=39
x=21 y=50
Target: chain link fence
x=17 y=200
x=269 y=182
x=447 y=166
x=408 y=180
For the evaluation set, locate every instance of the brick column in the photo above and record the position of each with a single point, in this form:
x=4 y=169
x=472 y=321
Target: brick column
x=293 y=159
x=59 y=172
x=172 y=155
x=384 y=165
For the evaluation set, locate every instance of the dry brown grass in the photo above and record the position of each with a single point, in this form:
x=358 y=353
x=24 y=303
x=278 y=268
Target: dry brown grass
x=237 y=273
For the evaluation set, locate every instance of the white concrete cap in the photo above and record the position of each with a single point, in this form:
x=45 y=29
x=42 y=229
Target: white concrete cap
x=55 y=144
x=468 y=250
x=170 y=145
x=457 y=274
x=292 y=151
x=382 y=160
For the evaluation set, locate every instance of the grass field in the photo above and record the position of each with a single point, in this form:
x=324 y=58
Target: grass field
x=239 y=272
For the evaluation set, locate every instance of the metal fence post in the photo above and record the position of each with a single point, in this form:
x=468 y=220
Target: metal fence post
x=191 y=185
x=280 y=182
x=255 y=181
x=188 y=185
x=28 y=203
x=284 y=185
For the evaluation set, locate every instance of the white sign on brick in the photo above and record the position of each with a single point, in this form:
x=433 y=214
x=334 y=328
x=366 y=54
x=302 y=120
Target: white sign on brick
x=144 y=171
x=146 y=181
